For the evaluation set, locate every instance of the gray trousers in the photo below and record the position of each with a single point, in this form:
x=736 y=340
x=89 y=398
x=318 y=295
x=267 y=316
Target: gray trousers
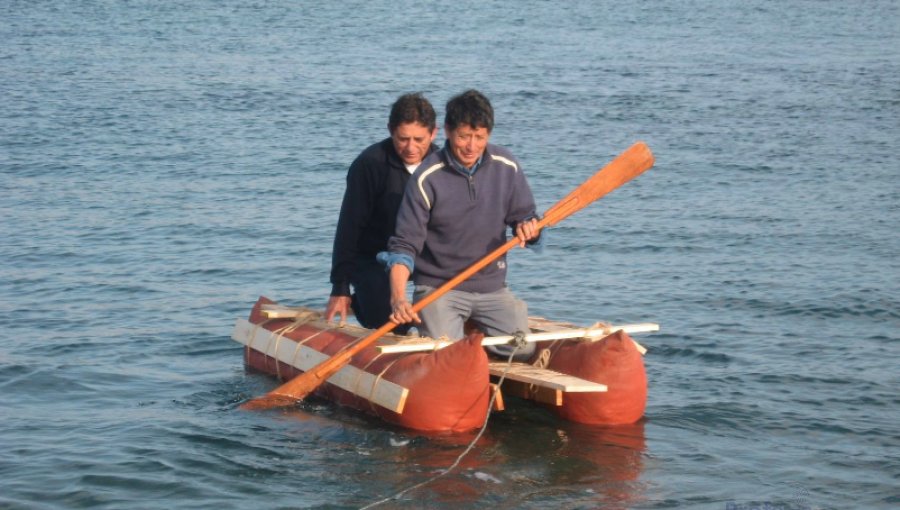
x=495 y=313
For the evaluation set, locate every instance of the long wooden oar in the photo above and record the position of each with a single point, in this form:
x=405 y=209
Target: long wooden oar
x=625 y=167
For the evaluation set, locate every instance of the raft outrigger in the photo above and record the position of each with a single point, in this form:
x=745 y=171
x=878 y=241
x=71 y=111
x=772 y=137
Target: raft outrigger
x=587 y=375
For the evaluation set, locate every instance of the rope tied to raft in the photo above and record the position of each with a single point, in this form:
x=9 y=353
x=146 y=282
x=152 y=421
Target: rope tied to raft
x=471 y=445
x=518 y=340
x=277 y=334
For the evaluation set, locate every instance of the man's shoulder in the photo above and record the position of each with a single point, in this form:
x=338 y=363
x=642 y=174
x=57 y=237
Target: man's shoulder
x=432 y=162
x=378 y=151
x=374 y=160
x=502 y=156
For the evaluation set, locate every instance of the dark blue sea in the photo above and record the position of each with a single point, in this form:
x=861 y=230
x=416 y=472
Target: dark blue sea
x=163 y=164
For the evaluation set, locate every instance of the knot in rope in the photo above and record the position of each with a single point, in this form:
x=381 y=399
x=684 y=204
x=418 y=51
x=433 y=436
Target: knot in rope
x=518 y=340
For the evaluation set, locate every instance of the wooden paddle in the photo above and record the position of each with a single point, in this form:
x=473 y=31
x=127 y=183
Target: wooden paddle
x=625 y=167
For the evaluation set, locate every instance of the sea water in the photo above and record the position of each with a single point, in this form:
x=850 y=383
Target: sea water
x=162 y=164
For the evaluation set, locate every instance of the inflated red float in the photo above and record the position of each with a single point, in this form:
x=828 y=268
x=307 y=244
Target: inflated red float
x=614 y=362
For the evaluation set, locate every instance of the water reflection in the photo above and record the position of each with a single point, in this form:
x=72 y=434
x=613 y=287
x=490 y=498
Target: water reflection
x=526 y=459
x=615 y=456
x=427 y=459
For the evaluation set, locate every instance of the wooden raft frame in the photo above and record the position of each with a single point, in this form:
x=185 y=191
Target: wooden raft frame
x=359 y=382
x=521 y=380
x=540 y=384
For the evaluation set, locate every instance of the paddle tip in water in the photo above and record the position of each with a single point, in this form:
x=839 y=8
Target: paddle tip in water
x=268 y=401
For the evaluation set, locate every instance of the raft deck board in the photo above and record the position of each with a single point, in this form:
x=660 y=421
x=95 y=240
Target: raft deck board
x=534 y=393
x=543 y=377
x=412 y=344
x=369 y=386
x=543 y=325
x=401 y=343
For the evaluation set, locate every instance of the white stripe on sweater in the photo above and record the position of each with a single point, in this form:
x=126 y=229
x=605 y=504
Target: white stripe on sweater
x=505 y=160
x=430 y=170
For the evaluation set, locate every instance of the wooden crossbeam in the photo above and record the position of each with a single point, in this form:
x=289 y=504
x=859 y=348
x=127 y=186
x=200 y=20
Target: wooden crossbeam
x=545 y=330
x=545 y=378
x=277 y=311
x=545 y=325
x=359 y=382
x=534 y=393
x=428 y=344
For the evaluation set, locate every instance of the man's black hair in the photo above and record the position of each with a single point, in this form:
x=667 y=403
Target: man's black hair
x=412 y=107
x=472 y=108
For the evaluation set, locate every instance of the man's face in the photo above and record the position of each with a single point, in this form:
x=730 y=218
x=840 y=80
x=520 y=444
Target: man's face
x=467 y=143
x=411 y=140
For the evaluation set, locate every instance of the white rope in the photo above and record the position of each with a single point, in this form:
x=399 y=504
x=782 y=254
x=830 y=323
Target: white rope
x=468 y=448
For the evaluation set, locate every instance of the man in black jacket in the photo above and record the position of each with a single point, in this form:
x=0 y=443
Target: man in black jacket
x=375 y=184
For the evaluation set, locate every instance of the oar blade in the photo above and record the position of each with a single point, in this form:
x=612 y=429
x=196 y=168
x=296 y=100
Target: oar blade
x=297 y=388
x=268 y=401
x=626 y=166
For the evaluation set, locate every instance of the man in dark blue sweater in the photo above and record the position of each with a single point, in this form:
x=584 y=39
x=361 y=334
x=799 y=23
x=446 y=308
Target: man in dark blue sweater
x=456 y=209
x=375 y=184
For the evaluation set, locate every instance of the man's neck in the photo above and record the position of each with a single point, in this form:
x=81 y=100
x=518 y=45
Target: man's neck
x=459 y=166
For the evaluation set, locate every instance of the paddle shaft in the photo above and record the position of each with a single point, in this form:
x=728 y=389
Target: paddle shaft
x=329 y=367
x=625 y=167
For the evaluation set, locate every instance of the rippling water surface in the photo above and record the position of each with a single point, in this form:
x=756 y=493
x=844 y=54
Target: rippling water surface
x=162 y=165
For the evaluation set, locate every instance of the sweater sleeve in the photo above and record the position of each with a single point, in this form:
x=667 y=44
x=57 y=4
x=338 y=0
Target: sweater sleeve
x=522 y=207
x=521 y=201
x=412 y=218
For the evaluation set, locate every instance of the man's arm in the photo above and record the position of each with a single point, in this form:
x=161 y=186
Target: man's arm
x=401 y=309
x=404 y=246
x=522 y=213
x=356 y=208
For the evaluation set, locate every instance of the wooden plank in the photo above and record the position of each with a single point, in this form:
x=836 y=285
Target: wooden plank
x=498 y=398
x=588 y=334
x=546 y=378
x=359 y=382
x=531 y=392
x=546 y=325
x=542 y=324
x=315 y=318
x=277 y=311
x=281 y=313
x=551 y=330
